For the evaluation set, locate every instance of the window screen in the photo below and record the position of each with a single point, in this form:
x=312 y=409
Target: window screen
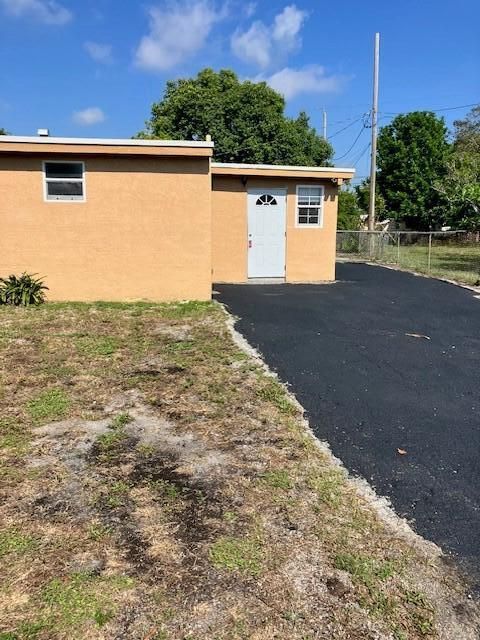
x=64 y=181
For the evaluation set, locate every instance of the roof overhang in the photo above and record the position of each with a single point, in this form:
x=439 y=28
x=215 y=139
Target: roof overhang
x=281 y=171
x=103 y=146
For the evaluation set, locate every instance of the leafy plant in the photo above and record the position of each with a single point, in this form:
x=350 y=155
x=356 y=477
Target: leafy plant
x=22 y=291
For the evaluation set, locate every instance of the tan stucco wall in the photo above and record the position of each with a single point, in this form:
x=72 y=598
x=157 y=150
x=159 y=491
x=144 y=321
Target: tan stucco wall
x=310 y=252
x=143 y=233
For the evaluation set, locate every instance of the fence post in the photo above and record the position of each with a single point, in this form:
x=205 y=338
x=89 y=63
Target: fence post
x=429 y=251
x=398 y=247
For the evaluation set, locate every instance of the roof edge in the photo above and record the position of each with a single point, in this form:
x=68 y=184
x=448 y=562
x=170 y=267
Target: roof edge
x=279 y=167
x=112 y=142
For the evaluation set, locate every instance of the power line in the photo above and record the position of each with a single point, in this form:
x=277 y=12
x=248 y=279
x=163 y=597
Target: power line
x=353 y=144
x=362 y=153
x=357 y=117
x=347 y=127
x=399 y=113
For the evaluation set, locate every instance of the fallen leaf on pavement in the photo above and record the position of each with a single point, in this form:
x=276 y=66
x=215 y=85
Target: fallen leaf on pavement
x=418 y=335
x=402 y=452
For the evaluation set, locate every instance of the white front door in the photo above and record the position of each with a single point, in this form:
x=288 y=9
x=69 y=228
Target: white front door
x=266 y=233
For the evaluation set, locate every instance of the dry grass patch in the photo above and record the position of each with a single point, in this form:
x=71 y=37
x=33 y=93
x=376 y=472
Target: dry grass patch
x=156 y=483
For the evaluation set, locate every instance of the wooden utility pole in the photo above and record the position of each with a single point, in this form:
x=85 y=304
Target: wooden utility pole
x=373 y=162
x=324 y=124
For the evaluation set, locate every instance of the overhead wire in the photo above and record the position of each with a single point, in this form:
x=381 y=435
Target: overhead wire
x=353 y=144
x=347 y=127
x=399 y=113
x=362 y=153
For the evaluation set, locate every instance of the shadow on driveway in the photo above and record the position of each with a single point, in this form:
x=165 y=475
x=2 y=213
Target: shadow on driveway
x=370 y=388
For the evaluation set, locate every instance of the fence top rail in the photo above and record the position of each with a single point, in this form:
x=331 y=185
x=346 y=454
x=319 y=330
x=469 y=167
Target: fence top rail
x=416 y=233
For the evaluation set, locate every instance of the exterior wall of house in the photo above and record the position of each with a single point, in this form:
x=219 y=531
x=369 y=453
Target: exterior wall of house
x=144 y=231
x=310 y=251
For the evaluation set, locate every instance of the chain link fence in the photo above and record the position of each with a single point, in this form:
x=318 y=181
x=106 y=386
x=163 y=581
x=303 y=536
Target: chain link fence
x=454 y=255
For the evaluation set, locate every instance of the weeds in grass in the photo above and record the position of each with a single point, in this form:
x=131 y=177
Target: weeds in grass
x=97 y=345
x=372 y=574
x=14 y=436
x=121 y=420
x=109 y=443
x=180 y=310
x=273 y=392
x=145 y=450
x=51 y=404
x=116 y=494
x=237 y=554
x=278 y=479
x=422 y=614
x=367 y=570
x=26 y=631
x=175 y=539
x=13 y=541
x=71 y=602
x=166 y=489
x=98 y=531
x=230 y=517
x=328 y=484
x=102 y=617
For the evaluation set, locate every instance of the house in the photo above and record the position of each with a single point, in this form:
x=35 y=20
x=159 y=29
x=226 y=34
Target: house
x=157 y=219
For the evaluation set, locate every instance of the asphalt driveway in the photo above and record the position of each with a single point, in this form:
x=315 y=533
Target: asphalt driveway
x=384 y=360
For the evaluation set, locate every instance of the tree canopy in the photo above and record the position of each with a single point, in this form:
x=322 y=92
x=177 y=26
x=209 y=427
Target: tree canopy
x=246 y=120
x=3 y=132
x=349 y=211
x=467 y=132
x=460 y=187
x=412 y=157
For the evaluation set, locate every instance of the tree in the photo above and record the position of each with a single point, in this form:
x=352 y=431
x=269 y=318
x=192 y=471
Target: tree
x=412 y=156
x=3 y=132
x=348 y=211
x=363 y=198
x=245 y=119
x=467 y=132
x=460 y=187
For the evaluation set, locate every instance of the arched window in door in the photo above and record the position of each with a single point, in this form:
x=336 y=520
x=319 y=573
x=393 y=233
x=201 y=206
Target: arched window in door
x=266 y=199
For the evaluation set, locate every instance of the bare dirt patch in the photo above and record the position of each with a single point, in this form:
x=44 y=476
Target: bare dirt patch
x=157 y=483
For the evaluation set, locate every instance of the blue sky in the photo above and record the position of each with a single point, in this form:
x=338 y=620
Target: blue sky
x=93 y=68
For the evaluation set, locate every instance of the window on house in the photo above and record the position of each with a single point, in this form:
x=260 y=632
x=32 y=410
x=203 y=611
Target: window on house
x=64 y=180
x=266 y=199
x=310 y=206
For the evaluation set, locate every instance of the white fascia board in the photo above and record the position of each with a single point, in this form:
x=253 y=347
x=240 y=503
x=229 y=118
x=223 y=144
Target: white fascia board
x=233 y=165
x=118 y=142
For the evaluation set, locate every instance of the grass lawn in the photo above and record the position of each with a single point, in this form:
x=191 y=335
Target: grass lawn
x=460 y=263
x=157 y=484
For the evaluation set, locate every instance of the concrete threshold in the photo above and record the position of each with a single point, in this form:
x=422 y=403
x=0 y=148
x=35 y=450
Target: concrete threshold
x=265 y=280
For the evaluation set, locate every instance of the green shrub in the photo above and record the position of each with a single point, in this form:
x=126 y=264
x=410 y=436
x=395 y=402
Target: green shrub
x=22 y=291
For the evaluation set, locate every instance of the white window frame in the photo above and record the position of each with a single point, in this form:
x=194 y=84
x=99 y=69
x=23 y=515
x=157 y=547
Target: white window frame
x=64 y=199
x=308 y=225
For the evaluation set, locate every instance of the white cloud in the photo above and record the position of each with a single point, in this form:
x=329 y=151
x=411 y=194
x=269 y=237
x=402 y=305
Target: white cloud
x=99 y=52
x=287 y=26
x=312 y=79
x=253 y=45
x=260 y=44
x=46 y=11
x=176 y=33
x=88 y=117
